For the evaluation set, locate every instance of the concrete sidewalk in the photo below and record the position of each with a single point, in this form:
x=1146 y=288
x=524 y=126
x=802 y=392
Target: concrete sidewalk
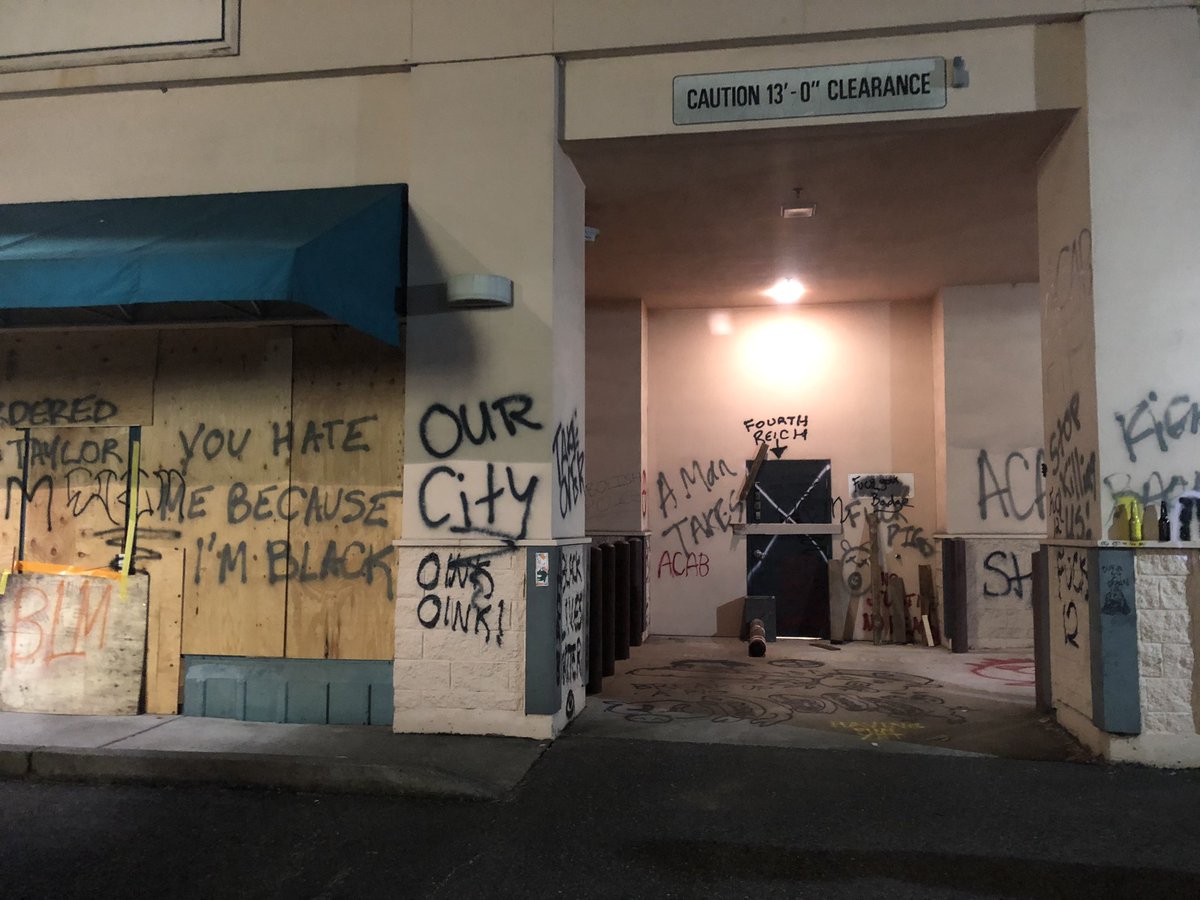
x=191 y=750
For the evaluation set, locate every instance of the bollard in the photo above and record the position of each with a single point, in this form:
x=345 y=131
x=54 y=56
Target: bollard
x=595 y=622
x=622 y=600
x=637 y=597
x=609 y=621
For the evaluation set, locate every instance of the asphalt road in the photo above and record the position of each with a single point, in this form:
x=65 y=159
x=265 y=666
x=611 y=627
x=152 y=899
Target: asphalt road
x=622 y=818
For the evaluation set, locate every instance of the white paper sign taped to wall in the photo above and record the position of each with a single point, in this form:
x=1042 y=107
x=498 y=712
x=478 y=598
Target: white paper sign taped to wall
x=889 y=486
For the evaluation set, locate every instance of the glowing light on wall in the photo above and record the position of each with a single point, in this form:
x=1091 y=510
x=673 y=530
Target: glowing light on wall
x=720 y=323
x=786 y=290
x=784 y=351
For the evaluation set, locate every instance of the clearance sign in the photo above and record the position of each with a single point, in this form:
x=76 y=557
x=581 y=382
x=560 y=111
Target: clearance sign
x=856 y=88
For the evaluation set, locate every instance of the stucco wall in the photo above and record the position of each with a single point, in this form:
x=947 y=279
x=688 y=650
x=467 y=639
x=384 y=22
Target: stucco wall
x=862 y=375
x=277 y=37
x=993 y=409
x=206 y=139
x=615 y=383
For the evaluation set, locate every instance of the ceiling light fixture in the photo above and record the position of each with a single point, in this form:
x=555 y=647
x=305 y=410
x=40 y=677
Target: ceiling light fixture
x=806 y=211
x=786 y=290
x=798 y=209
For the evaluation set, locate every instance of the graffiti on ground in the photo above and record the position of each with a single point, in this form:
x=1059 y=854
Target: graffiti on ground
x=729 y=690
x=1013 y=672
x=878 y=731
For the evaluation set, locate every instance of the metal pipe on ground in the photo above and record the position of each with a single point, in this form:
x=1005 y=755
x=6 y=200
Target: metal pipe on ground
x=757 y=644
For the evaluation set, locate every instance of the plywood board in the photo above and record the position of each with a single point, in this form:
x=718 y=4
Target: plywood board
x=76 y=489
x=347 y=462
x=76 y=378
x=72 y=644
x=164 y=633
x=896 y=603
x=214 y=482
x=11 y=444
x=841 y=627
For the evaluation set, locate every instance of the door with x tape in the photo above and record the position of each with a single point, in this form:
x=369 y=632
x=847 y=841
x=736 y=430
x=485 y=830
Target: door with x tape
x=794 y=567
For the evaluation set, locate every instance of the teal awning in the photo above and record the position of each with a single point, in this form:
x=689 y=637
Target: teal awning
x=334 y=250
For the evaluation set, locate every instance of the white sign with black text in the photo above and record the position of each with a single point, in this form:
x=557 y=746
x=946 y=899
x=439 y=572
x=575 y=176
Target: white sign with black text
x=889 y=86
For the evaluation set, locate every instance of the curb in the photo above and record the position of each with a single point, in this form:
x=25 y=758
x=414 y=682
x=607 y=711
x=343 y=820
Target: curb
x=15 y=760
x=295 y=773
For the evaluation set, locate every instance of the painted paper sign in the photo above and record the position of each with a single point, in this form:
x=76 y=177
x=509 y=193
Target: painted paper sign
x=880 y=486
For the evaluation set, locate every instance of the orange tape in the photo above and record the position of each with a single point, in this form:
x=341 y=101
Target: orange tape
x=36 y=568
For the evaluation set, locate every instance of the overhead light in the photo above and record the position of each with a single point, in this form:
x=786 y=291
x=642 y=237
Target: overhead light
x=807 y=211
x=786 y=290
x=590 y=234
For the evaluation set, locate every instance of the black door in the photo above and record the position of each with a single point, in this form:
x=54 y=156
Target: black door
x=794 y=568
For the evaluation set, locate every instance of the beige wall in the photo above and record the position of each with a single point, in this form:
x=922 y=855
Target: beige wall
x=993 y=409
x=279 y=37
x=1069 y=403
x=939 y=408
x=583 y=25
x=1114 y=211
x=212 y=139
x=860 y=372
x=492 y=193
x=569 y=318
x=631 y=95
x=616 y=382
x=1145 y=205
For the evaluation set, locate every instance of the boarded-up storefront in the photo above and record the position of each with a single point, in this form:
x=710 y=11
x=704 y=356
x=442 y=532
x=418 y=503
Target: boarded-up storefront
x=268 y=465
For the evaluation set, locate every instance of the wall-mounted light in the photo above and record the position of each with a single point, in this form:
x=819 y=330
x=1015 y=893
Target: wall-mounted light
x=786 y=290
x=479 y=291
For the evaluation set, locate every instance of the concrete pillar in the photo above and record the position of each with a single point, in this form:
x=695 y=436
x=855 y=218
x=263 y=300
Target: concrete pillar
x=988 y=435
x=616 y=426
x=491 y=594
x=1119 y=210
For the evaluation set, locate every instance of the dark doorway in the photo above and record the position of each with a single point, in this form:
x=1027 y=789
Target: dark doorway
x=794 y=568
